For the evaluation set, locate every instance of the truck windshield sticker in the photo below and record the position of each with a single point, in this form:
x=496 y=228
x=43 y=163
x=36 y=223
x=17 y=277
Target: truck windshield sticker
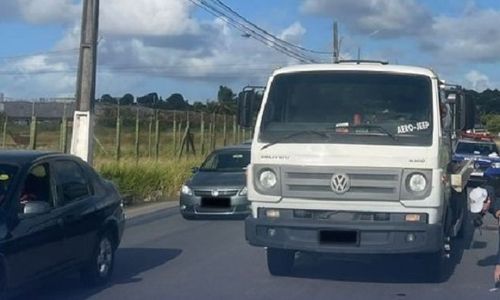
x=413 y=127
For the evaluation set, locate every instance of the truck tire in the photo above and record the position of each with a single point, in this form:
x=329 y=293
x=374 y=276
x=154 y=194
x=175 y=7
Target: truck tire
x=438 y=267
x=280 y=261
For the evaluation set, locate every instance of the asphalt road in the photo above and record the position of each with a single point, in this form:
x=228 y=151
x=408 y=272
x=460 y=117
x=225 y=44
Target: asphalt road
x=163 y=256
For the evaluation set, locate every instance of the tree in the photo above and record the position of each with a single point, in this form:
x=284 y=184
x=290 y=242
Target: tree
x=226 y=101
x=176 y=101
x=225 y=95
x=127 y=99
x=149 y=100
x=106 y=98
x=493 y=123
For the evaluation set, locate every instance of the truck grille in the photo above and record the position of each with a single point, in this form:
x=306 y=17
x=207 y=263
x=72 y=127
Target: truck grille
x=365 y=183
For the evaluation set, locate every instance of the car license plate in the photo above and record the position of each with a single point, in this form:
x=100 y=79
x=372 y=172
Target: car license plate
x=216 y=202
x=477 y=174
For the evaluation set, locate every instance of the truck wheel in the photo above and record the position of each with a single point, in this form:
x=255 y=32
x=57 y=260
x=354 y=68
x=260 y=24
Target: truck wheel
x=3 y=282
x=279 y=261
x=99 y=269
x=437 y=267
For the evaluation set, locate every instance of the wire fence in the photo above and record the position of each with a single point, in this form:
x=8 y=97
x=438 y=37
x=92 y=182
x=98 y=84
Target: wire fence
x=124 y=132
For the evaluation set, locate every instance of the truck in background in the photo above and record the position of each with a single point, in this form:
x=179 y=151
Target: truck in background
x=354 y=158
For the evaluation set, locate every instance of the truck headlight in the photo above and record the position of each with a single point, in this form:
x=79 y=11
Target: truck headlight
x=416 y=183
x=496 y=165
x=268 y=179
x=186 y=190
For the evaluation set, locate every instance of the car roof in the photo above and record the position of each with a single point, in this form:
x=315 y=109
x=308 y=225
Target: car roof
x=22 y=157
x=239 y=147
x=475 y=141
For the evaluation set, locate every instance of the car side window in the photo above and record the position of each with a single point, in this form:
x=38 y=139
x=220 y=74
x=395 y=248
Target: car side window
x=36 y=187
x=71 y=182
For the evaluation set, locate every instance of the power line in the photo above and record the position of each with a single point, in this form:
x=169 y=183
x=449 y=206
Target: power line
x=229 y=9
x=245 y=29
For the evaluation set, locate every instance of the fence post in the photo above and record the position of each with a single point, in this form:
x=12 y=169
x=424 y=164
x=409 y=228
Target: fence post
x=224 y=131
x=239 y=134
x=63 y=132
x=33 y=128
x=4 y=133
x=64 y=135
x=150 y=137
x=118 y=133
x=235 y=135
x=244 y=135
x=157 y=135
x=137 y=135
x=174 y=134
x=214 y=131
x=202 y=134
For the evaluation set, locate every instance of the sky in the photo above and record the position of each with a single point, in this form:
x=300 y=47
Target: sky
x=175 y=46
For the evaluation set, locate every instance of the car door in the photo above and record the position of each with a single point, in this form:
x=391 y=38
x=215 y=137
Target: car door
x=77 y=204
x=33 y=244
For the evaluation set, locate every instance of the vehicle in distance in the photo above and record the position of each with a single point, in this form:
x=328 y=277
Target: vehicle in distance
x=484 y=153
x=218 y=187
x=56 y=214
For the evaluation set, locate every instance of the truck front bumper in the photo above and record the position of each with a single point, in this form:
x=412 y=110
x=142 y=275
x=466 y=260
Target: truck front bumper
x=347 y=237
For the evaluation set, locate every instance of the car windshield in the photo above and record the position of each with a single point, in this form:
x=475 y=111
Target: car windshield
x=226 y=161
x=7 y=173
x=350 y=107
x=484 y=149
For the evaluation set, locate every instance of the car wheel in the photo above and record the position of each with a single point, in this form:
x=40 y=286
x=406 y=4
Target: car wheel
x=99 y=269
x=280 y=261
x=189 y=217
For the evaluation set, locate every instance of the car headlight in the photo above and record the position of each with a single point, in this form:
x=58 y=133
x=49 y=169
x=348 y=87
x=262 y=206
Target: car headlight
x=416 y=183
x=186 y=190
x=243 y=191
x=496 y=165
x=268 y=179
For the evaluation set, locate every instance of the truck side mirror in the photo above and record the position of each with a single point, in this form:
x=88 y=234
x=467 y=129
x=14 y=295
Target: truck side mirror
x=245 y=108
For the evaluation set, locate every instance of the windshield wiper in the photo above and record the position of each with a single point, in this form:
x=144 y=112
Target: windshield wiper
x=292 y=135
x=369 y=126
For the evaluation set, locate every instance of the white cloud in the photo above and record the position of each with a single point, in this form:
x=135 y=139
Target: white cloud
x=146 y=17
x=293 y=33
x=388 y=17
x=49 y=11
x=477 y=80
x=473 y=37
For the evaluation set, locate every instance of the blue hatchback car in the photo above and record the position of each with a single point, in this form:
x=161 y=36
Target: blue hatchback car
x=483 y=153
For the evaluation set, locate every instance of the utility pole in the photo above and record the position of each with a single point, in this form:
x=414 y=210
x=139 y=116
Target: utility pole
x=83 y=127
x=336 y=50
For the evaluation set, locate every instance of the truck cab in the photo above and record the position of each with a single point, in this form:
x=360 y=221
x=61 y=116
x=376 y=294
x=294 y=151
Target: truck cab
x=351 y=158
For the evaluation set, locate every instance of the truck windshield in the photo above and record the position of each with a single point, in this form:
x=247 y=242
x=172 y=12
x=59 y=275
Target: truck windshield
x=349 y=107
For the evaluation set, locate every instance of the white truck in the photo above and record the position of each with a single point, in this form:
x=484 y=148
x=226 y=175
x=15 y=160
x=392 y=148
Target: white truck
x=352 y=158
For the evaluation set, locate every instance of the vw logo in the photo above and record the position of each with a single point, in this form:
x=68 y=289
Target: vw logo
x=340 y=183
x=215 y=193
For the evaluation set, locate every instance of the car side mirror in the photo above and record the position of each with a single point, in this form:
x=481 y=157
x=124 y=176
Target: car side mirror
x=36 y=208
x=195 y=170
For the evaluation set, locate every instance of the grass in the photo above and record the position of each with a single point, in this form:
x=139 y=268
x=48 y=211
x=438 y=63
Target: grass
x=149 y=180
